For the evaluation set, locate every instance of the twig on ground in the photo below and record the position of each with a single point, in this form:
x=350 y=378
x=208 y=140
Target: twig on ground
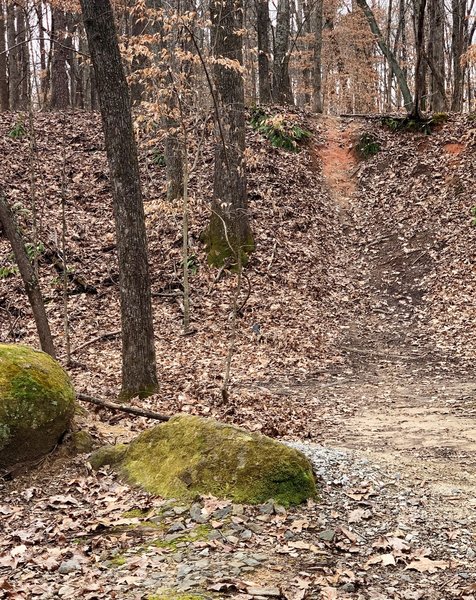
x=120 y=407
x=99 y=338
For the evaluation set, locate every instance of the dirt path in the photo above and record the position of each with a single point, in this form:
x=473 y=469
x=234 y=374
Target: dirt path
x=402 y=402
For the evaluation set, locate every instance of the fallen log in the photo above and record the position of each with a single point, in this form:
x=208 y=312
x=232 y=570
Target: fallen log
x=132 y=410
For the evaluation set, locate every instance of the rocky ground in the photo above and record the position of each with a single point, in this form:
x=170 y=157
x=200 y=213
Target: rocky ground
x=363 y=289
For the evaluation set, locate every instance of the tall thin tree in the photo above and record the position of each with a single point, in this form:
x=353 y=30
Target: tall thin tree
x=3 y=59
x=139 y=375
x=229 y=234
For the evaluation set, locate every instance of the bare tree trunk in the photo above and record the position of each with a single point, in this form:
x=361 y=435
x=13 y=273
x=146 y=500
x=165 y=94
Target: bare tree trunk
x=139 y=375
x=13 y=59
x=24 y=59
x=41 y=44
x=389 y=73
x=84 y=72
x=399 y=74
x=305 y=28
x=229 y=235
x=420 y=6
x=458 y=47
x=3 y=60
x=317 y=59
x=436 y=55
x=282 y=91
x=28 y=275
x=139 y=24
x=60 y=98
x=264 y=77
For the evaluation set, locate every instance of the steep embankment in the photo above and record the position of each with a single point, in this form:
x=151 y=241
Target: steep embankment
x=410 y=332
x=363 y=286
x=290 y=275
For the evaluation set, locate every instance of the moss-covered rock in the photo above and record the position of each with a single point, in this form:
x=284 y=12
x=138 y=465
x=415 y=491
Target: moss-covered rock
x=36 y=403
x=189 y=456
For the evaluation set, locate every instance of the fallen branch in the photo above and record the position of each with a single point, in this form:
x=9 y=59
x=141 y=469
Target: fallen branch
x=120 y=407
x=103 y=336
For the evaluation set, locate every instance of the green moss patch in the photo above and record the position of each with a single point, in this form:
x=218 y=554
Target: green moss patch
x=189 y=456
x=36 y=403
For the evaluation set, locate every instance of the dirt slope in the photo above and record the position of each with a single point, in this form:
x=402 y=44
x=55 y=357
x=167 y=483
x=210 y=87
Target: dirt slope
x=363 y=286
x=410 y=333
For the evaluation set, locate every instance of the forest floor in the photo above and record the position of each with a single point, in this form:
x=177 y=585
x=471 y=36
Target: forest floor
x=365 y=358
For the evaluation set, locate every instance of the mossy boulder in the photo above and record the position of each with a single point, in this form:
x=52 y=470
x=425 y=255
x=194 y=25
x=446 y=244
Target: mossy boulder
x=189 y=456
x=36 y=403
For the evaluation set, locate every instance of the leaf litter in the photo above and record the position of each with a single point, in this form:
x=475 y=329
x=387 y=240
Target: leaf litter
x=351 y=305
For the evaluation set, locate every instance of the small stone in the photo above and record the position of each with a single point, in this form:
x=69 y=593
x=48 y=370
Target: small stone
x=327 y=535
x=215 y=535
x=259 y=557
x=251 y=562
x=176 y=526
x=348 y=587
x=246 y=535
x=470 y=553
x=221 y=513
x=184 y=570
x=180 y=510
x=255 y=528
x=238 y=509
x=204 y=563
x=266 y=592
x=198 y=514
x=69 y=566
x=279 y=510
x=236 y=564
x=186 y=585
x=267 y=508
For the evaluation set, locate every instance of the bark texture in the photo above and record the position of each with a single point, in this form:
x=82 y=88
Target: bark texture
x=59 y=76
x=264 y=76
x=458 y=47
x=436 y=55
x=229 y=236
x=138 y=353
x=281 y=80
x=3 y=60
x=13 y=59
x=30 y=280
x=420 y=8
x=317 y=58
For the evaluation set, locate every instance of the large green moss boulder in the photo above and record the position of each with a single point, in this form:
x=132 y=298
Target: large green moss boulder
x=36 y=403
x=189 y=456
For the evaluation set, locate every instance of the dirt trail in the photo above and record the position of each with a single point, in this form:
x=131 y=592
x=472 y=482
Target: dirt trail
x=402 y=402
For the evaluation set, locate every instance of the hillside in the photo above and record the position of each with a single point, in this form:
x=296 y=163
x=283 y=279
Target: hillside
x=358 y=332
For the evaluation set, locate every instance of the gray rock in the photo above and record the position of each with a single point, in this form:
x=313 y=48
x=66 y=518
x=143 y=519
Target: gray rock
x=197 y=514
x=176 y=526
x=221 y=513
x=267 y=508
x=201 y=564
x=180 y=510
x=251 y=562
x=69 y=566
x=184 y=570
x=266 y=592
x=327 y=535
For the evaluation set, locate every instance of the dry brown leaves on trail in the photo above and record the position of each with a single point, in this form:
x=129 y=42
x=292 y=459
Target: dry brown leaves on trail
x=353 y=309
